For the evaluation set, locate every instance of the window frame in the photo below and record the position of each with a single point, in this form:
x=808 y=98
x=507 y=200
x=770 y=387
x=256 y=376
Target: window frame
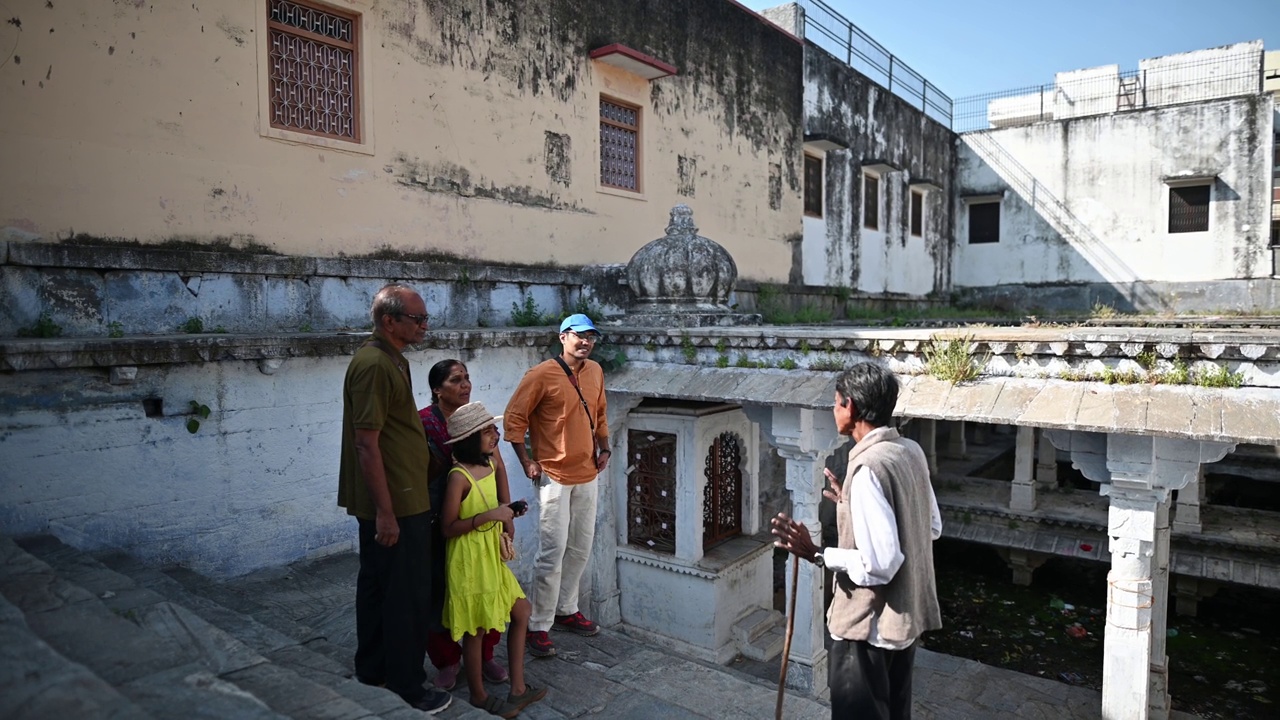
x=1184 y=205
x=639 y=144
x=869 y=221
x=817 y=194
x=970 y=207
x=361 y=71
x=915 y=217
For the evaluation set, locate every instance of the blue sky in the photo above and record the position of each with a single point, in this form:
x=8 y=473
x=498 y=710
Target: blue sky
x=967 y=48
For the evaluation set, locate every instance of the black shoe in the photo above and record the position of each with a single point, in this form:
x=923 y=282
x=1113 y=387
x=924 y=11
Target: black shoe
x=433 y=702
x=374 y=682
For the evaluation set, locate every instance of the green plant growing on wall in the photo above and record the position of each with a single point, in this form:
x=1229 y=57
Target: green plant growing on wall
x=788 y=364
x=651 y=346
x=721 y=345
x=687 y=349
x=585 y=307
x=1146 y=360
x=199 y=411
x=952 y=360
x=305 y=327
x=804 y=347
x=44 y=327
x=1217 y=376
x=722 y=360
x=743 y=361
x=527 y=313
x=115 y=329
x=193 y=326
x=828 y=363
x=1102 y=311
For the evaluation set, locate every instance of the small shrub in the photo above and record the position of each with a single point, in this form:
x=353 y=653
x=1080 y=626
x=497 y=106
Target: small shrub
x=305 y=327
x=804 y=347
x=743 y=361
x=788 y=364
x=115 y=329
x=651 y=346
x=44 y=327
x=1217 y=376
x=722 y=360
x=527 y=313
x=951 y=360
x=193 y=326
x=1146 y=360
x=199 y=411
x=687 y=349
x=828 y=363
x=1102 y=311
x=721 y=345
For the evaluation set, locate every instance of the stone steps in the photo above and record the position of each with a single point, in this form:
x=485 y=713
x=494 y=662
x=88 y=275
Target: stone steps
x=761 y=634
x=169 y=652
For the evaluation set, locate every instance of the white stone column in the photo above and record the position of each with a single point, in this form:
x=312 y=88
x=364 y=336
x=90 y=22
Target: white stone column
x=956 y=447
x=1190 y=498
x=600 y=591
x=1046 y=462
x=1022 y=494
x=804 y=439
x=929 y=442
x=1159 y=701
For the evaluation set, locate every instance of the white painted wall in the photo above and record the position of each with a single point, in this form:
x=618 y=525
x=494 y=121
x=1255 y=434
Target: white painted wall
x=1086 y=201
x=255 y=487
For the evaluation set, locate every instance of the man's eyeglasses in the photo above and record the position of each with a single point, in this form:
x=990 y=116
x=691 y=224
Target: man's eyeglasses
x=419 y=319
x=585 y=338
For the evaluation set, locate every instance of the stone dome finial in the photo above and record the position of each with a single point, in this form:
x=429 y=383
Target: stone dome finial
x=682 y=278
x=682 y=221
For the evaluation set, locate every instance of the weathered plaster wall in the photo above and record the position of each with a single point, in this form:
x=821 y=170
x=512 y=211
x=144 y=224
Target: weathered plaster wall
x=144 y=120
x=1085 y=201
x=878 y=126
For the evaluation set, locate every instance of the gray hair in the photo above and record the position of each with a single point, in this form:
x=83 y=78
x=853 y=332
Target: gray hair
x=388 y=301
x=873 y=390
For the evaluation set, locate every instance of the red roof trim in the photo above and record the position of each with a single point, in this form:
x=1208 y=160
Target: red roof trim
x=655 y=63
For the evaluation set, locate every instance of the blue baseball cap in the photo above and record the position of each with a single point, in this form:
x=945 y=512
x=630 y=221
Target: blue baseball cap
x=578 y=323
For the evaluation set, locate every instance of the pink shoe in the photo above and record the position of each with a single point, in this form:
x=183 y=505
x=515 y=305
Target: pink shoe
x=447 y=677
x=494 y=672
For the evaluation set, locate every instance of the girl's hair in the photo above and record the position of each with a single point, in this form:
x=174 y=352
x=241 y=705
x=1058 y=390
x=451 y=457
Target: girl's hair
x=438 y=374
x=469 y=450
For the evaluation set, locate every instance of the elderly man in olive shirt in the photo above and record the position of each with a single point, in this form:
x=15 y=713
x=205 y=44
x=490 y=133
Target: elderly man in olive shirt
x=382 y=481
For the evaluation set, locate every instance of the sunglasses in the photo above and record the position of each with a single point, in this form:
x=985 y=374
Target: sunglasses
x=419 y=319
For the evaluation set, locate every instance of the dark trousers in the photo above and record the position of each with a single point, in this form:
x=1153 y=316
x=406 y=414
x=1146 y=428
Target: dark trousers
x=393 y=596
x=869 y=683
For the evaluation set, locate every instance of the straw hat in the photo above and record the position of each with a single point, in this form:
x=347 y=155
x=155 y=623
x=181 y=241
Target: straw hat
x=469 y=420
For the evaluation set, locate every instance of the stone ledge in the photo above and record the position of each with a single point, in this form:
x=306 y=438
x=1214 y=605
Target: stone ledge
x=103 y=257
x=18 y=355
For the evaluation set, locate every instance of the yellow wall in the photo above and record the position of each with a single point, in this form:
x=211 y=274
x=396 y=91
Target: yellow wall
x=142 y=120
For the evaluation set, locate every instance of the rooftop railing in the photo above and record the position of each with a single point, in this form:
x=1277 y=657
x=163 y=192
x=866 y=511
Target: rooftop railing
x=834 y=33
x=1157 y=82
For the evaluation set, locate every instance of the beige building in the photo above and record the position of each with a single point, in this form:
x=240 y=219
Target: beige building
x=522 y=131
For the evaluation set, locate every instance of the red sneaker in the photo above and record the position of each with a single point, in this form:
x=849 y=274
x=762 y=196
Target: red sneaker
x=540 y=644
x=576 y=623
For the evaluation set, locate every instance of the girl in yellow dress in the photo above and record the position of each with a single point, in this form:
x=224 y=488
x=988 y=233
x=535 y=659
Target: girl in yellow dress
x=481 y=593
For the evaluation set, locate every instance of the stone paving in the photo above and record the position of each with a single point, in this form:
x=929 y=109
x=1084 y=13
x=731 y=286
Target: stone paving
x=107 y=637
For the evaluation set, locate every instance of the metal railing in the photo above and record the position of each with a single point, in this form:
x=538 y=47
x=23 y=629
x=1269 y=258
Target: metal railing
x=1157 y=82
x=832 y=32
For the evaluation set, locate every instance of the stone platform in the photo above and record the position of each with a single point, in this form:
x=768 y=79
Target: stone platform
x=106 y=637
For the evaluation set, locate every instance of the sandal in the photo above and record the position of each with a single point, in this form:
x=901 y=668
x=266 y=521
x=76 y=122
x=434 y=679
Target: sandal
x=530 y=695
x=495 y=705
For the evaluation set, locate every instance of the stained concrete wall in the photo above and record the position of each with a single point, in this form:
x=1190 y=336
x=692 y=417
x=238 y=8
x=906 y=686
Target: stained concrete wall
x=877 y=126
x=1085 y=205
x=148 y=121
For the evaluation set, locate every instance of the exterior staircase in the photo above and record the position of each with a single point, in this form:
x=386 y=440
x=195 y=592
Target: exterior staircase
x=106 y=637
x=761 y=634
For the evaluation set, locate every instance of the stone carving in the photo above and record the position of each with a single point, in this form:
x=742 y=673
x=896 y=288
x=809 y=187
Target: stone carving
x=683 y=279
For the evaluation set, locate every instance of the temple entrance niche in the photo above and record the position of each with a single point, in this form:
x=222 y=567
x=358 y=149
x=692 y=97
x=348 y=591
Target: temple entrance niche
x=693 y=564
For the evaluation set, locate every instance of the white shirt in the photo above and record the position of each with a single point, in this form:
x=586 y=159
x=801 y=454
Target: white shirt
x=875 y=531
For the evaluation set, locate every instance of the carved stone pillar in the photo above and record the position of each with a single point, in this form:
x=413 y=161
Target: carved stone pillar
x=1187 y=511
x=804 y=438
x=956 y=447
x=1046 y=462
x=1022 y=495
x=929 y=442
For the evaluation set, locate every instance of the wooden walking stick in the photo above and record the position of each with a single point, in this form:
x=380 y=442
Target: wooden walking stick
x=791 y=626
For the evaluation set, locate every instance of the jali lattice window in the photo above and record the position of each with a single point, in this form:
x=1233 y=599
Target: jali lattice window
x=313 y=55
x=722 y=497
x=619 y=145
x=651 y=491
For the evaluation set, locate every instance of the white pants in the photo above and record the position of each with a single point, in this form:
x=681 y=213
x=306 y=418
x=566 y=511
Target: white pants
x=566 y=528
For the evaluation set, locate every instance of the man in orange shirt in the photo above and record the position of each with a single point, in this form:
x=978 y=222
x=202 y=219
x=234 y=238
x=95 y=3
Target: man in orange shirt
x=560 y=403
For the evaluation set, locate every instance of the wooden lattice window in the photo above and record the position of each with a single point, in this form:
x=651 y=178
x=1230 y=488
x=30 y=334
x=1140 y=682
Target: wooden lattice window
x=984 y=222
x=812 y=186
x=314 y=56
x=1189 y=209
x=651 y=491
x=722 y=497
x=917 y=213
x=619 y=145
x=871 y=202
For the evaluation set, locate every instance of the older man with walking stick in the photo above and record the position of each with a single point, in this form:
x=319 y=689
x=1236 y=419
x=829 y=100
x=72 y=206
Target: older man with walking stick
x=885 y=593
